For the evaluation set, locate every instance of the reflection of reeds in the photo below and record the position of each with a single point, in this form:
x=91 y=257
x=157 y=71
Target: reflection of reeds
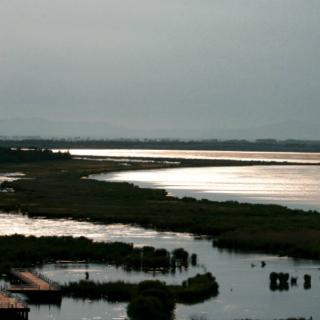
x=21 y=251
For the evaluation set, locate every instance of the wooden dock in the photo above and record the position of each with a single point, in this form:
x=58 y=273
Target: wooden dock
x=34 y=285
x=12 y=308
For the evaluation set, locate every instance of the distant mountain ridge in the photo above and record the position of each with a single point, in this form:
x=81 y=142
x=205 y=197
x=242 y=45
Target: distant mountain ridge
x=59 y=129
x=38 y=127
x=300 y=130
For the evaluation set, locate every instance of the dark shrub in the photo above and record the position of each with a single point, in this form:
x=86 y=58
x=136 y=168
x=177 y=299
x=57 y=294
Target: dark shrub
x=146 y=308
x=153 y=301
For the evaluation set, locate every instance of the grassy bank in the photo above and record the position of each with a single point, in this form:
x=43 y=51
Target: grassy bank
x=57 y=190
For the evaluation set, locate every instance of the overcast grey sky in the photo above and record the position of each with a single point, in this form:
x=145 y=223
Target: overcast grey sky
x=187 y=68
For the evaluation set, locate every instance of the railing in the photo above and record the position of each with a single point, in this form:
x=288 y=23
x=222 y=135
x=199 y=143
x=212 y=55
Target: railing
x=52 y=284
x=16 y=303
x=18 y=272
x=27 y=283
x=7 y=305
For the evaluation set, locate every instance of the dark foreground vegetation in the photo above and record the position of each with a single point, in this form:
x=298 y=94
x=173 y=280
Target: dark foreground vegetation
x=57 y=190
x=21 y=251
x=17 y=156
x=148 y=299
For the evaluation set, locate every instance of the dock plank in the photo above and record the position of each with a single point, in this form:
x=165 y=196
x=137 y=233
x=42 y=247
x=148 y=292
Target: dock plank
x=32 y=282
x=7 y=302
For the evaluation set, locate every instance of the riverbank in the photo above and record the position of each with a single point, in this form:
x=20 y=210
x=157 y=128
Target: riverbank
x=57 y=189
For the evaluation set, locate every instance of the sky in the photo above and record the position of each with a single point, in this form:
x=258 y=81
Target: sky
x=160 y=68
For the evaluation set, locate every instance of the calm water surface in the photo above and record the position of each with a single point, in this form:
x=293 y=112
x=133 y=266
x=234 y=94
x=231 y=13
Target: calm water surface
x=292 y=186
x=199 y=154
x=244 y=290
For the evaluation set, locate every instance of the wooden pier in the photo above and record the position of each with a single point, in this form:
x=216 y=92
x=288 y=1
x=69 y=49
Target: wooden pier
x=34 y=285
x=12 y=308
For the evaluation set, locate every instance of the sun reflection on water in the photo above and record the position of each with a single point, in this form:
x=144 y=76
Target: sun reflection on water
x=293 y=186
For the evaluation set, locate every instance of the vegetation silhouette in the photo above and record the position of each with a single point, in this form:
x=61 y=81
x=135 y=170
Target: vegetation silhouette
x=193 y=290
x=279 y=281
x=175 y=144
x=22 y=251
x=33 y=155
x=60 y=189
x=307 y=282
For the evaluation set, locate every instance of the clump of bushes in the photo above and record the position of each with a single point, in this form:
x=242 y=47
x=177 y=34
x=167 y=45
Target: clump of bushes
x=153 y=300
x=22 y=251
x=280 y=281
x=180 y=257
x=149 y=299
x=197 y=289
x=307 y=281
x=193 y=290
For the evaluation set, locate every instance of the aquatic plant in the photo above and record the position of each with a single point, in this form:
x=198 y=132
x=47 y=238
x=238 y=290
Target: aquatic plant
x=22 y=251
x=279 y=281
x=193 y=290
x=307 y=282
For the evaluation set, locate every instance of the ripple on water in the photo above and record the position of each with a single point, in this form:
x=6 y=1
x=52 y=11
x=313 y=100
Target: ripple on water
x=242 y=287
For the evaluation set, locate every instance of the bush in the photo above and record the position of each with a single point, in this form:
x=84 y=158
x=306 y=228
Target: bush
x=146 y=308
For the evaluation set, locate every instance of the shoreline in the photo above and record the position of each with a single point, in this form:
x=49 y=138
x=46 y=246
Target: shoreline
x=57 y=191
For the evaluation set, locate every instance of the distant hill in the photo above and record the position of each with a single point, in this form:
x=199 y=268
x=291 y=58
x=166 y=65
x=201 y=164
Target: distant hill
x=301 y=130
x=37 y=127
x=48 y=128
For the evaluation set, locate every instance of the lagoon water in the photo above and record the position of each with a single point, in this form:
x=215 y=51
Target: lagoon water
x=244 y=290
x=300 y=157
x=297 y=187
x=292 y=186
x=244 y=284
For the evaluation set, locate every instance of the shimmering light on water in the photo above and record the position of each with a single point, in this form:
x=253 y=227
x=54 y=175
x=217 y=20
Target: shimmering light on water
x=10 y=176
x=21 y=224
x=293 y=186
x=200 y=154
x=244 y=291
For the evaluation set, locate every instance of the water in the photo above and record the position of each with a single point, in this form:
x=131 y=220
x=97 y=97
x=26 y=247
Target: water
x=292 y=186
x=244 y=290
x=199 y=154
x=297 y=187
x=21 y=224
